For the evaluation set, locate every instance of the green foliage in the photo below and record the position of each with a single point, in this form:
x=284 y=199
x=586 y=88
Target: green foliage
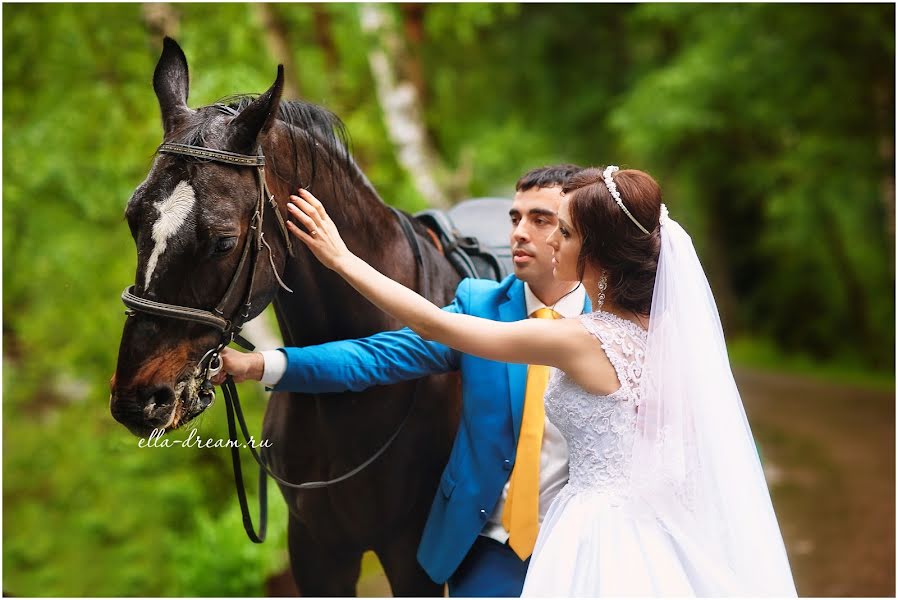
x=770 y=128
x=782 y=160
x=240 y=571
x=89 y=513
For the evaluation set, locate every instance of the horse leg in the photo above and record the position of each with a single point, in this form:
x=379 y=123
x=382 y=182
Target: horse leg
x=317 y=569
x=400 y=563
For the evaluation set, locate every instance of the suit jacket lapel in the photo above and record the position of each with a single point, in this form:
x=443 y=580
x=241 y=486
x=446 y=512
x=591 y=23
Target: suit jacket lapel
x=515 y=309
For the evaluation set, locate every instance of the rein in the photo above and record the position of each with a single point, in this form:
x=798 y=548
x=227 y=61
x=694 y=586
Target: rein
x=211 y=363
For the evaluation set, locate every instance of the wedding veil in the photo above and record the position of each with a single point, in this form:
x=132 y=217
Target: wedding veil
x=695 y=462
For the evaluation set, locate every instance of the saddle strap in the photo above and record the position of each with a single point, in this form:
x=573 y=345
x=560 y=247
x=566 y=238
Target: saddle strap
x=412 y=238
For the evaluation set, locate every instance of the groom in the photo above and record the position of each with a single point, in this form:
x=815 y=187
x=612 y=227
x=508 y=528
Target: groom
x=506 y=453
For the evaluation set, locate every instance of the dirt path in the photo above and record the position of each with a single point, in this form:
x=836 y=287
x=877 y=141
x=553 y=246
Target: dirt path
x=829 y=455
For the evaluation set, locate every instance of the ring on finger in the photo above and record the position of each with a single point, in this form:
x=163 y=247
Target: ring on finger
x=313 y=233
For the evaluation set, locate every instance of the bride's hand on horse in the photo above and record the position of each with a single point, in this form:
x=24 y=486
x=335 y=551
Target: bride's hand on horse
x=321 y=235
x=240 y=365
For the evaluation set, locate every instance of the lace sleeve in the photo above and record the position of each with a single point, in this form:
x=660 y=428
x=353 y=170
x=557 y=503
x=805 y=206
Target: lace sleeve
x=624 y=343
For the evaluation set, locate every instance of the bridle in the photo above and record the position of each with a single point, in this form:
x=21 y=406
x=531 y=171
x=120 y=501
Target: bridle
x=210 y=364
x=255 y=241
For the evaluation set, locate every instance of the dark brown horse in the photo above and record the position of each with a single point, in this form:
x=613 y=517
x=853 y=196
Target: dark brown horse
x=190 y=219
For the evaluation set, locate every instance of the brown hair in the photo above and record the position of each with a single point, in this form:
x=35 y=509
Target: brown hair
x=544 y=177
x=610 y=240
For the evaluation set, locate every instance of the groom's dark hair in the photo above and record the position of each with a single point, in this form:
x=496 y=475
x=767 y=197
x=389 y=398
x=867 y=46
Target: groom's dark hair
x=544 y=177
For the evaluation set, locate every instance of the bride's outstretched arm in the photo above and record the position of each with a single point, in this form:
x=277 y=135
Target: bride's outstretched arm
x=530 y=341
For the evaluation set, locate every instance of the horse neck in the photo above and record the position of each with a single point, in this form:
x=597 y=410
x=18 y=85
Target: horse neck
x=322 y=306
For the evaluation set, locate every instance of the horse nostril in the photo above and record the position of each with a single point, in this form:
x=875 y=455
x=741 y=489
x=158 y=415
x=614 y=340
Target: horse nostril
x=156 y=397
x=129 y=410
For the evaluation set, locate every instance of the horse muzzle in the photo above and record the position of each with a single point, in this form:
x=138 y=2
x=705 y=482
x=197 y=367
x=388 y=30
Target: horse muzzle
x=162 y=407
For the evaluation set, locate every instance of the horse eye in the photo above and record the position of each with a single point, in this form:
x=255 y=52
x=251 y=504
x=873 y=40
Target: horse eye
x=225 y=244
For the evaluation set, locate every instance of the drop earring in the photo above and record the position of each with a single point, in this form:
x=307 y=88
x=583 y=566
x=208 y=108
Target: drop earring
x=603 y=285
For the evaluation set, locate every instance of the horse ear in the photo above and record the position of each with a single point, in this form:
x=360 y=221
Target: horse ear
x=258 y=117
x=170 y=81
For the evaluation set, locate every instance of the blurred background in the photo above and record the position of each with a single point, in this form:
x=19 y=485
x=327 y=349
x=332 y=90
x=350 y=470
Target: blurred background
x=769 y=127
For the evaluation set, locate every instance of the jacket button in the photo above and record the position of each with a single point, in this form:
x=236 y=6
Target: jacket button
x=483 y=513
x=506 y=464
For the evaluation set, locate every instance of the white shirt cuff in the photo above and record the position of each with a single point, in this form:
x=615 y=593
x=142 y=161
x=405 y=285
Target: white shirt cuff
x=275 y=366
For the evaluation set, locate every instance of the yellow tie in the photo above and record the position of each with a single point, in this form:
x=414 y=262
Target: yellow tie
x=521 y=513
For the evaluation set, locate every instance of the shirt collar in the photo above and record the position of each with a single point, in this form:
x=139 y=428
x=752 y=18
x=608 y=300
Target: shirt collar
x=568 y=307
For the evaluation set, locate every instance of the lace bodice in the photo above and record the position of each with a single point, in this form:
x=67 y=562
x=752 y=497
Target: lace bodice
x=599 y=430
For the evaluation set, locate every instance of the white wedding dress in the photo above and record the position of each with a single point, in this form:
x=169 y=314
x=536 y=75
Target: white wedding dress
x=598 y=539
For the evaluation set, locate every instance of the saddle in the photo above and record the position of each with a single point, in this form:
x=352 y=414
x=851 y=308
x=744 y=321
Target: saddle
x=473 y=235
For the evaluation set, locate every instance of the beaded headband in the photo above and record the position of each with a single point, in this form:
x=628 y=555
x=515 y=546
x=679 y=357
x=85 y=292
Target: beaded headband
x=612 y=189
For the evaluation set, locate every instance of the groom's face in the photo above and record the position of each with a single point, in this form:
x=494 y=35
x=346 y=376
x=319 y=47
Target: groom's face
x=534 y=215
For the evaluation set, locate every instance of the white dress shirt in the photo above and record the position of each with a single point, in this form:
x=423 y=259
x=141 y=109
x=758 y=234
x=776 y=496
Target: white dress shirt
x=275 y=367
x=553 y=457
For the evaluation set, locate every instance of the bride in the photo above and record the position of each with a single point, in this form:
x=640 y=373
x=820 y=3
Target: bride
x=666 y=494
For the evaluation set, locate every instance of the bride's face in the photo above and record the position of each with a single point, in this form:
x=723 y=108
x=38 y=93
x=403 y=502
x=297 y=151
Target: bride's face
x=565 y=243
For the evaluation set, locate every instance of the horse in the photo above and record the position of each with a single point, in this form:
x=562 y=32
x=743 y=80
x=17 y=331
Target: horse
x=193 y=220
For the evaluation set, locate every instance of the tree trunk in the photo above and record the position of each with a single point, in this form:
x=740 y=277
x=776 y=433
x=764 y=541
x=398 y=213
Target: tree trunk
x=718 y=272
x=400 y=103
x=413 y=25
x=161 y=20
x=860 y=300
x=884 y=101
x=278 y=42
x=321 y=19
x=333 y=92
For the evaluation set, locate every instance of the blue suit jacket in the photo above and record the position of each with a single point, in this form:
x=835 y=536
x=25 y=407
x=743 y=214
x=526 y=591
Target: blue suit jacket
x=492 y=406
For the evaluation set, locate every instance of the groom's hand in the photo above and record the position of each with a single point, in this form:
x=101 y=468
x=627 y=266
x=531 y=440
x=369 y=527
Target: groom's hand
x=240 y=365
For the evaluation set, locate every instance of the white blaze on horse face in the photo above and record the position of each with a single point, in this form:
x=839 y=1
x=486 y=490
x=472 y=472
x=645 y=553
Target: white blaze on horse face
x=173 y=212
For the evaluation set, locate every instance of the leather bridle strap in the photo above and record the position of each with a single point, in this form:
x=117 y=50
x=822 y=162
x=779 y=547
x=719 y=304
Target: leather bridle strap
x=185 y=313
x=229 y=391
x=232 y=405
x=223 y=156
x=240 y=160
x=230 y=330
x=232 y=402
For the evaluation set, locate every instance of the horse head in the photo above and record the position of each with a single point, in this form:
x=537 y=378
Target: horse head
x=196 y=222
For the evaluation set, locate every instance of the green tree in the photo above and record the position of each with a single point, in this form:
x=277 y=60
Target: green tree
x=779 y=162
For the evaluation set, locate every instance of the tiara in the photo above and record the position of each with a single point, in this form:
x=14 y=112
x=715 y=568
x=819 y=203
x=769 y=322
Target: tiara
x=612 y=189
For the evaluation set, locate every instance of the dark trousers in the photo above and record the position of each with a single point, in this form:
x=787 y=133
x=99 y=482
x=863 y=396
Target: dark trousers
x=490 y=569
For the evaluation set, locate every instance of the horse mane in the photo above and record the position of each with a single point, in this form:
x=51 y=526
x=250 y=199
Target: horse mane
x=325 y=131
x=313 y=132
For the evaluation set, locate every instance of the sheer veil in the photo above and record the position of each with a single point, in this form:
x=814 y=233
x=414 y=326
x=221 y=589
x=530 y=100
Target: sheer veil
x=695 y=462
